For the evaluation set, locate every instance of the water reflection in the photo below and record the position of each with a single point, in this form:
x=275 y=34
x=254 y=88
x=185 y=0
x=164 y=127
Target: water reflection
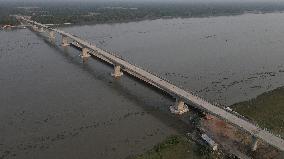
x=53 y=104
x=224 y=59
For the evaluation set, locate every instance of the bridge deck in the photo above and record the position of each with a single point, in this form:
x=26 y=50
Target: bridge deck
x=175 y=91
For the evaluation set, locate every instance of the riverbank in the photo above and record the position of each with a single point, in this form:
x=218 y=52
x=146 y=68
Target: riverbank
x=177 y=147
x=119 y=12
x=266 y=110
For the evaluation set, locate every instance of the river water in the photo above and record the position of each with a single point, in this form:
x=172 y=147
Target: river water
x=55 y=106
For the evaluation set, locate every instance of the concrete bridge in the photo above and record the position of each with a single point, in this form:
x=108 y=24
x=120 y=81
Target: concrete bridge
x=183 y=98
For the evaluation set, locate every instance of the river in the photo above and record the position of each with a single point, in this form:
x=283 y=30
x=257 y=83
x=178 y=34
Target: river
x=55 y=106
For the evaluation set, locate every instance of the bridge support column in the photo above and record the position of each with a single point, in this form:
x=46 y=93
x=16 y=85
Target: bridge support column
x=64 y=40
x=117 y=71
x=85 y=53
x=35 y=28
x=255 y=141
x=52 y=35
x=41 y=29
x=179 y=107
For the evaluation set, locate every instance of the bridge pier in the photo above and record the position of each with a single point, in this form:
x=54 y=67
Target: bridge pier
x=64 y=40
x=35 y=28
x=255 y=141
x=85 y=54
x=52 y=35
x=179 y=107
x=117 y=71
x=41 y=29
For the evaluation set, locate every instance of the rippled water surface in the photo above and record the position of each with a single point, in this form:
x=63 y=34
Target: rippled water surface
x=224 y=59
x=55 y=106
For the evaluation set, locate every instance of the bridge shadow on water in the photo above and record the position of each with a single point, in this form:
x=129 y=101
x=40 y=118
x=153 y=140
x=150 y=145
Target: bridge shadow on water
x=181 y=124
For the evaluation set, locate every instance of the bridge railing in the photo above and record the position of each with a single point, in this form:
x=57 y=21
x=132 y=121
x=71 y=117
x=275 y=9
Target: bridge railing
x=147 y=70
x=191 y=92
x=197 y=101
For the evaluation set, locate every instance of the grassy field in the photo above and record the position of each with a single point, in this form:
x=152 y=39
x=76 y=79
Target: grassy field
x=267 y=110
x=176 y=147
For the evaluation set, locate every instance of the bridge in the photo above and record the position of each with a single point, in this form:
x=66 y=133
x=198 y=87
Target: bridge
x=183 y=98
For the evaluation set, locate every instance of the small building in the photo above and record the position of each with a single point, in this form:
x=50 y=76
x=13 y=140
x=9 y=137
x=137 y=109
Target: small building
x=210 y=142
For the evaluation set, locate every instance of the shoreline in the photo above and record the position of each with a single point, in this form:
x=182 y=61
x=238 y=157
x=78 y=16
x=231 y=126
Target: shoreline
x=229 y=138
x=271 y=104
x=161 y=18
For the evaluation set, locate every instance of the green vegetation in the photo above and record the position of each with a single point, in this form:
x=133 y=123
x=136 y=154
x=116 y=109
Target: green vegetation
x=267 y=110
x=177 y=147
x=110 y=12
x=5 y=12
x=7 y=20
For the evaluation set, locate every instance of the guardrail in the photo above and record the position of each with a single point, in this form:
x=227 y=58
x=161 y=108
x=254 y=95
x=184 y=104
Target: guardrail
x=162 y=83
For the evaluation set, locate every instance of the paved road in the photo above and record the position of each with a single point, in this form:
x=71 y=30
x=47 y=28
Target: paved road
x=175 y=91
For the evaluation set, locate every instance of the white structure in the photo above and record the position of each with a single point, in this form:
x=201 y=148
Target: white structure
x=211 y=142
x=179 y=107
x=117 y=71
x=179 y=93
x=85 y=54
x=254 y=143
x=52 y=35
x=64 y=40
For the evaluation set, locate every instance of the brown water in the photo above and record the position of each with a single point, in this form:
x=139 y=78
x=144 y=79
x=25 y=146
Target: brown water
x=224 y=59
x=54 y=106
